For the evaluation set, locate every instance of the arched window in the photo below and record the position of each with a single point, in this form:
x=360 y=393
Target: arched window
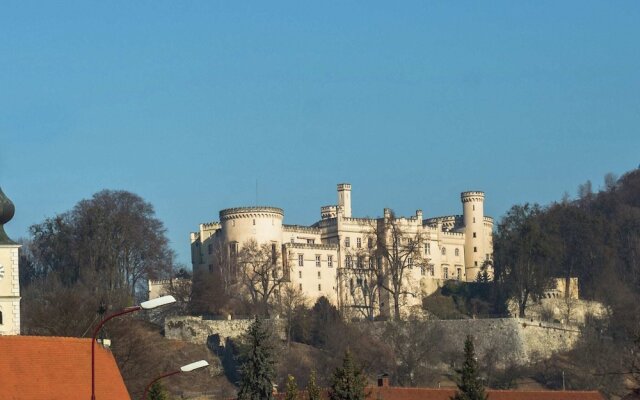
x=444 y=251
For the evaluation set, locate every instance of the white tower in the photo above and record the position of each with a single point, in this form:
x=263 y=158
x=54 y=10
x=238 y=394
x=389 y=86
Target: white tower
x=344 y=199
x=9 y=276
x=474 y=243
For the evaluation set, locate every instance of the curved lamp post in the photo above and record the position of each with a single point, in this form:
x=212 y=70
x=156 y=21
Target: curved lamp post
x=185 y=368
x=147 y=305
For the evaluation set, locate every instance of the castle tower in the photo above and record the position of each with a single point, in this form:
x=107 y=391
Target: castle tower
x=344 y=199
x=9 y=276
x=474 y=244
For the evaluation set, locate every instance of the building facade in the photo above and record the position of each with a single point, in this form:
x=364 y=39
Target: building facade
x=349 y=259
x=9 y=274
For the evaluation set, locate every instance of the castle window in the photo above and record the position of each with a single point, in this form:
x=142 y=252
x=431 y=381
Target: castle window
x=360 y=262
x=300 y=260
x=475 y=249
x=370 y=242
x=423 y=270
x=474 y=207
x=311 y=241
x=427 y=248
x=0 y=317
x=474 y=234
x=210 y=248
x=474 y=220
x=410 y=262
x=233 y=249
x=444 y=251
x=371 y=266
x=318 y=261
x=300 y=286
x=319 y=287
x=347 y=242
x=475 y=263
x=254 y=221
x=348 y=261
x=445 y=272
x=274 y=254
x=319 y=276
x=292 y=240
x=358 y=242
x=457 y=251
x=432 y=269
x=459 y=274
x=330 y=261
x=300 y=274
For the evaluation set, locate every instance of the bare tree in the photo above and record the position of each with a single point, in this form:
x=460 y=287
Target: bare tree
x=290 y=299
x=398 y=251
x=361 y=278
x=260 y=273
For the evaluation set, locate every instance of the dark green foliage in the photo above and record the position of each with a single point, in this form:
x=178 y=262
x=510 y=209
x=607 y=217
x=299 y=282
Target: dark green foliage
x=348 y=381
x=317 y=325
x=469 y=384
x=459 y=300
x=313 y=391
x=292 y=389
x=257 y=364
x=157 y=392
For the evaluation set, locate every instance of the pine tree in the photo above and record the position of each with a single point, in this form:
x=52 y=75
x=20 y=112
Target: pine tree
x=292 y=389
x=257 y=367
x=157 y=392
x=469 y=385
x=313 y=391
x=348 y=381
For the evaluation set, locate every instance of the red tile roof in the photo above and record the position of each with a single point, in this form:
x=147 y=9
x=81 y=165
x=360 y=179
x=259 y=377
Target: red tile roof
x=56 y=368
x=400 y=393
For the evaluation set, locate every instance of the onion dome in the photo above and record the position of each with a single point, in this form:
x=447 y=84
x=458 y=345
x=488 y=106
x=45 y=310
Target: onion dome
x=7 y=209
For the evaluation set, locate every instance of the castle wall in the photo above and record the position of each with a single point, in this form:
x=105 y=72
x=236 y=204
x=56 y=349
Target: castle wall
x=516 y=340
x=198 y=330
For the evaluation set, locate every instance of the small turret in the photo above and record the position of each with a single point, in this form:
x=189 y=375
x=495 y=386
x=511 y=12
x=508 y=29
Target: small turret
x=344 y=198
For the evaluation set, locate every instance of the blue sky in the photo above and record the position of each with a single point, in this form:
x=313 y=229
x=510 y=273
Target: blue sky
x=188 y=104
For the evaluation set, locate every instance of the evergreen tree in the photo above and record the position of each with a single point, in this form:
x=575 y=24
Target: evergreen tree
x=157 y=392
x=313 y=391
x=348 y=381
x=292 y=389
x=257 y=365
x=469 y=386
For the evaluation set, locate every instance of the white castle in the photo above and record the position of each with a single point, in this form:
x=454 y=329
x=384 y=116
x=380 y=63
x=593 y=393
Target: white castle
x=328 y=257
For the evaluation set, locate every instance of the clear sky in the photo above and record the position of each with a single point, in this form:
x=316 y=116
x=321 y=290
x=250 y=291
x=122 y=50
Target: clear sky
x=189 y=103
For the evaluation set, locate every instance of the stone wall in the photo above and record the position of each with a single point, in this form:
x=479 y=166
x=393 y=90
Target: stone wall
x=507 y=340
x=202 y=331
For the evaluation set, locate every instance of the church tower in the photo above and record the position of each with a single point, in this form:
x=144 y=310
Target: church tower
x=9 y=276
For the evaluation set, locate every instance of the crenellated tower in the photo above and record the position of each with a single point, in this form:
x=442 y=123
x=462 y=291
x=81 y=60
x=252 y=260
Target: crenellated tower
x=474 y=230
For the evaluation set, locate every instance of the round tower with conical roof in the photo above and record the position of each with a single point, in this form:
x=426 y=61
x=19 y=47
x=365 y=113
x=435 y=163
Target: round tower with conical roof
x=9 y=274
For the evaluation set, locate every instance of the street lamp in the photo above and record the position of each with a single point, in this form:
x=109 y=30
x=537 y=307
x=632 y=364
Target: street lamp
x=147 y=305
x=185 y=368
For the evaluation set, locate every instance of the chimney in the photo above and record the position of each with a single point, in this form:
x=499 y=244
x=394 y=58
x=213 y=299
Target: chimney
x=383 y=380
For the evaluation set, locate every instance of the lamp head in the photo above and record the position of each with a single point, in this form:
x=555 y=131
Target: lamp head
x=194 y=365
x=160 y=301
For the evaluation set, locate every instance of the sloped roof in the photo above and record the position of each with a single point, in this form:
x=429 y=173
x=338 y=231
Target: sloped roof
x=403 y=393
x=56 y=368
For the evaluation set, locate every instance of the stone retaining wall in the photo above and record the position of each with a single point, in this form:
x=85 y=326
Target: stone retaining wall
x=199 y=330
